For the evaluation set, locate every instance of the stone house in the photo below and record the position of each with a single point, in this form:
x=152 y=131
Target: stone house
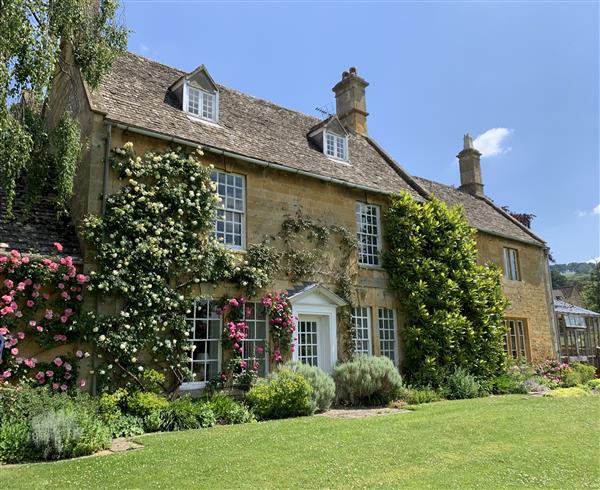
x=272 y=162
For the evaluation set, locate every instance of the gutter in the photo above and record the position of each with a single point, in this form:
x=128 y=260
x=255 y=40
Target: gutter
x=238 y=156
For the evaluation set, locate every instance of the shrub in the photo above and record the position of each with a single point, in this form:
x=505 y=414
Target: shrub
x=366 y=380
x=14 y=440
x=593 y=384
x=152 y=422
x=54 y=434
x=417 y=396
x=284 y=394
x=185 y=413
x=321 y=383
x=144 y=403
x=507 y=383
x=534 y=385
x=570 y=378
x=573 y=392
x=127 y=426
x=228 y=411
x=586 y=372
x=110 y=406
x=95 y=435
x=460 y=384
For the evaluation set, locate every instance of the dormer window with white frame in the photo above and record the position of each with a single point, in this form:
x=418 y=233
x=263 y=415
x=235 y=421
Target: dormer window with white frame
x=201 y=103
x=198 y=95
x=331 y=138
x=336 y=146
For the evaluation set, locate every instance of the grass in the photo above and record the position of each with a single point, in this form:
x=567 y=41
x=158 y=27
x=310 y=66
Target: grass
x=498 y=442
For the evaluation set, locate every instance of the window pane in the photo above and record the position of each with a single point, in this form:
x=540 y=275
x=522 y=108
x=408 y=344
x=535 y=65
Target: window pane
x=229 y=223
x=361 y=323
x=367 y=226
x=387 y=333
x=330 y=145
x=205 y=338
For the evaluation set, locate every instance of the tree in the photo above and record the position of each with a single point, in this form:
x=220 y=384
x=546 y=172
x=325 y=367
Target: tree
x=558 y=279
x=453 y=307
x=591 y=291
x=32 y=33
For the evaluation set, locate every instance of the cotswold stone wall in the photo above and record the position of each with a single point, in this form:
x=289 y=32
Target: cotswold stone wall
x=272 y=194
x=529 y=298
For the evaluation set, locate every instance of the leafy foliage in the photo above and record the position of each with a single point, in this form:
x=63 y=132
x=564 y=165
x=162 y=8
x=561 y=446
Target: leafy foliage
x=460 y=384
x=284 y=394
x=32 y=34
x=227 y=411
x=153 y=244
x=454 y=307
x=591 y=290
x=14 y=440
x=322 y=384
x=366 y=380
x=66 y=142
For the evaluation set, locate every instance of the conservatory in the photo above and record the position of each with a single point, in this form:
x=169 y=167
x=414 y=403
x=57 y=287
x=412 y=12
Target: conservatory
x=579 y=331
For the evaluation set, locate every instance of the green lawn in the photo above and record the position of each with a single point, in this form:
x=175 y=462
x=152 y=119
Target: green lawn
x=512 y=441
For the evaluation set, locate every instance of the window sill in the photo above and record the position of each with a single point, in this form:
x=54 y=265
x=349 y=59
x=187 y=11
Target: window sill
x=199 y=119
x=338 y=160
x=371 y=267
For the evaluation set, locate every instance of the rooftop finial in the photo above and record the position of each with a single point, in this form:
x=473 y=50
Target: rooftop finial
x=468 y=142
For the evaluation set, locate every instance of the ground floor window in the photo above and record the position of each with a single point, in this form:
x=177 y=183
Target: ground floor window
x=387 y=333
x=515 y=339
x=308 y=346
x=254 y=345
x=361 y=330
x=205 y=336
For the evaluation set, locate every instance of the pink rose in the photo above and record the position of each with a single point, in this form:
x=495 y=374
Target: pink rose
x=58 y=361
x=39 y=328
x=55 y=386
x=20 y=335
x=8 y=283
x=68 y=367
x=82 y=382
x=79 y=354
x=7 y=374
x=49 y=314
x=30 y=303
x=58 y=246
x=81 y=278
x=49 y=373
x=14 y=351
x=63 y=387
x=25 y=260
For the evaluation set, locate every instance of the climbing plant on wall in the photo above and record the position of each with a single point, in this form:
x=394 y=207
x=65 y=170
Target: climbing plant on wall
x=152 y=245
x=40 y=300
x=453 y=306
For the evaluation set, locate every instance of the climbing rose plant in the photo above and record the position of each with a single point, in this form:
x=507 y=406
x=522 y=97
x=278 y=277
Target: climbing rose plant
x=453 y=306
x=154 y=242
x=40 y=303
x=282 y=324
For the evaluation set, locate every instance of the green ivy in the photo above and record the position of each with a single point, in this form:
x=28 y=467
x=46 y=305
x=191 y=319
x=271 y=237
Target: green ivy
x=66 y=142
x=453 y=306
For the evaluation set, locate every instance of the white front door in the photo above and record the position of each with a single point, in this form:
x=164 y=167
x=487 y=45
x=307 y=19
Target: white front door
x=308 y=348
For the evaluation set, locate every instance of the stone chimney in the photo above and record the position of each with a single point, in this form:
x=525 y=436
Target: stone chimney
x=470 y=168
x=350 y=105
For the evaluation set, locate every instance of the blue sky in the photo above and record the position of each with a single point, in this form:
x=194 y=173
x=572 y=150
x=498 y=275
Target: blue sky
x=524 y=76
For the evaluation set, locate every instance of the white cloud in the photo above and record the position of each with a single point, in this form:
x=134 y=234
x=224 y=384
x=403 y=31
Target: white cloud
x=594 y=261
x=490 y=142
x=144 y=48
x=581 y=214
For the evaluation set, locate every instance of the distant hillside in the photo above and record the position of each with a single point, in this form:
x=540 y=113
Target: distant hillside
x=573 y=268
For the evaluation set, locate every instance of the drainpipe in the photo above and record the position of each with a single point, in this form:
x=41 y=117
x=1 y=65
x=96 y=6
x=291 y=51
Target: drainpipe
x=552 y=315
x=105 y=176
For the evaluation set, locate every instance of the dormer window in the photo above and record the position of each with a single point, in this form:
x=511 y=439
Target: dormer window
x=198 y=95
x=330 y=137
x=201 y=103
x=335 y=146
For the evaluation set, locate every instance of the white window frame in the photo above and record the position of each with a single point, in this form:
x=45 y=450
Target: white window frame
x=202 y=93
x=221 y=205
x=192 y=318
x=393 y=329
x=264 y=358
x=360 y=210
x=362 y=313
x=336 y=138
x=315 y=345
x=510 y=260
